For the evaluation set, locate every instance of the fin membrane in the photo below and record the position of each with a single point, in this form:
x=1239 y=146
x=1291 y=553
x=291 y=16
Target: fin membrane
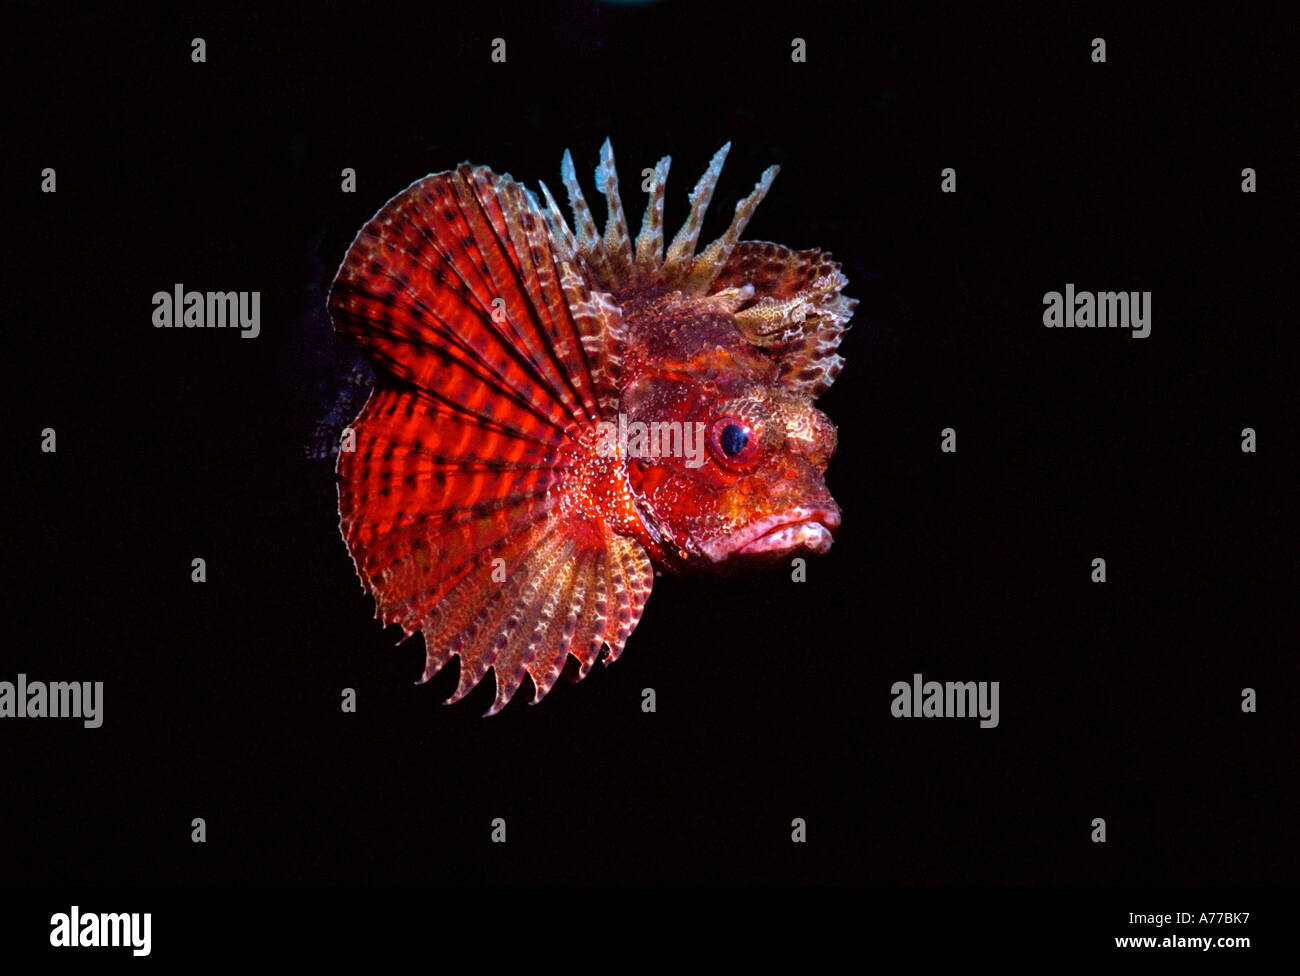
x=494 y=357
x=794 y=303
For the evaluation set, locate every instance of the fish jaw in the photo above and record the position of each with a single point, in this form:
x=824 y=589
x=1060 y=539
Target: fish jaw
x=804 y=527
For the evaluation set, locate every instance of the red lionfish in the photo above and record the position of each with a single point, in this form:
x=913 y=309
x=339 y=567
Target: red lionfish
x=483 y=503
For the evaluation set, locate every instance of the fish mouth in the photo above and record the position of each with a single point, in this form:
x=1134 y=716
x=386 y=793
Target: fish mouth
x=799 y=528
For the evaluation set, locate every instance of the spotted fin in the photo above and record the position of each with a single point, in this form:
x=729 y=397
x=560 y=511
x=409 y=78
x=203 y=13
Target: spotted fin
x=615 y=263
x=786 y=301
x=798 y=313
x=495 y=356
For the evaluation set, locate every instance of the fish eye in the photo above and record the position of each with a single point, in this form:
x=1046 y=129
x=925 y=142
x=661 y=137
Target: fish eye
x=733 y=441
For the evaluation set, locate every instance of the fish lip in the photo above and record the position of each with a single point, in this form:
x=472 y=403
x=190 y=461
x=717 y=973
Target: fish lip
x=808 y=527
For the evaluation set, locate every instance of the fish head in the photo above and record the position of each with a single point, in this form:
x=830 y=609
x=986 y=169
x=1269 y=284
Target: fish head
x=749 y=484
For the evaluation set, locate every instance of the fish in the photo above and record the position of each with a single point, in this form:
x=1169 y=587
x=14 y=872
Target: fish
x=562 y=413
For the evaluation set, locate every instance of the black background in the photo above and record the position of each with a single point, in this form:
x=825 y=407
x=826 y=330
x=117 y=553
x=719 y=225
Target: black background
x=1119 y=700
